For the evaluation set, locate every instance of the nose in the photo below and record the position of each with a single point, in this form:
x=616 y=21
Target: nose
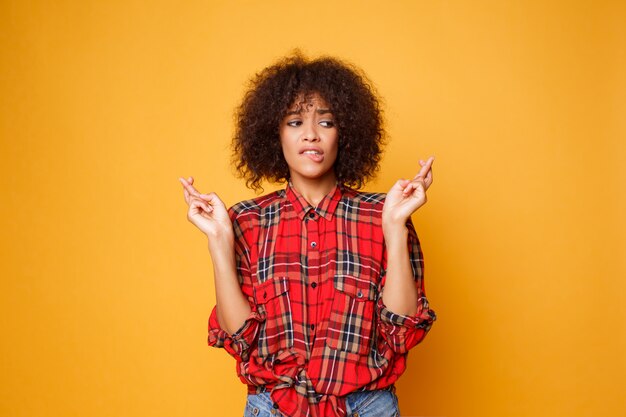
x=310 y=132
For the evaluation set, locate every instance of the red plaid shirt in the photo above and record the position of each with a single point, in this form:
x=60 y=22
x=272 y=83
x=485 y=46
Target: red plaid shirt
x=314 y=278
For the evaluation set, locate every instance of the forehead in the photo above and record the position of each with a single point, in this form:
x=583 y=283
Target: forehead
x=308 y=102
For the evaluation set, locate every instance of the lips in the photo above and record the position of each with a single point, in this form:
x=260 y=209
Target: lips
x=313 y=153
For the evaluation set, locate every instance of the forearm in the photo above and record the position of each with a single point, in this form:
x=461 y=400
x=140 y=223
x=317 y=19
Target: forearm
x=232 y=305
x=400 y=292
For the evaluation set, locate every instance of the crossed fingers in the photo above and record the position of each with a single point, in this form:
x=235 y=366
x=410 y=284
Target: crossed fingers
x=191 y=194
x=424 y=177
x=189 y=189
x=426 y=172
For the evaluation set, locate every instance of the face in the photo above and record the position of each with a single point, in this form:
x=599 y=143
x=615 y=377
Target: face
x=309 y=139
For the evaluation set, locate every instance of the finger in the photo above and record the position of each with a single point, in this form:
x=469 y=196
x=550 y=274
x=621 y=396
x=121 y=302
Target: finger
x=185 y=192
x=184 y=182
x=196 y=203
x=417 y=185
x=429 y=161
x=429 y=177
x=425 y=168
x=428 y=180
x=400 y=184
x=422 y=172
x=430 y=172
x=212 y=199
x=410 y=187
x=190 y=188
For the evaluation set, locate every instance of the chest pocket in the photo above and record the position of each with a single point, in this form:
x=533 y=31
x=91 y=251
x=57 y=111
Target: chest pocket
x=352 y=314
x=276 y=332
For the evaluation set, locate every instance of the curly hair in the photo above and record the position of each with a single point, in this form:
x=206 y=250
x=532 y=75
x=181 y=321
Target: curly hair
x=354 y=102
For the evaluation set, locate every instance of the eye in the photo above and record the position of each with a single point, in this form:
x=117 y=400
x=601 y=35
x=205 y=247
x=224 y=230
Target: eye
x=327 y=123
x=294 y=123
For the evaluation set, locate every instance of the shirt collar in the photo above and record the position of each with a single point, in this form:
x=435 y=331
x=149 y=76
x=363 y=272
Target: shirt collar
x=326 y=207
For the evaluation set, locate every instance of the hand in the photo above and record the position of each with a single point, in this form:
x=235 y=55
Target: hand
x=206 y=211
x=406 y=196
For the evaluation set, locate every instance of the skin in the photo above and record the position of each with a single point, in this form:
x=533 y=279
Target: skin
x=209 y=214
x=403 y=199
x=310 y=125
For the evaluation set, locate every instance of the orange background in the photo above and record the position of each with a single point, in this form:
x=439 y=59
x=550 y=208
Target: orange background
x=106 y=288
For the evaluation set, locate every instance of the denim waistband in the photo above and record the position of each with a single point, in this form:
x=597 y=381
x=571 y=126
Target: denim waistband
x=374 y=403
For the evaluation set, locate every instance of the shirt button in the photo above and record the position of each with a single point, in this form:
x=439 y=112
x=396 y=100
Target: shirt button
x=359 y=294
x=313 y=244
x=313 y=284
x=312 y=327
x=311 y=214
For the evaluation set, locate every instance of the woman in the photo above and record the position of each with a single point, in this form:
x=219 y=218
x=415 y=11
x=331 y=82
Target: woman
x=319 y=286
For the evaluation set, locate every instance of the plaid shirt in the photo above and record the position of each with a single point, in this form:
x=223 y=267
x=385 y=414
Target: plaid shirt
x=314 y=278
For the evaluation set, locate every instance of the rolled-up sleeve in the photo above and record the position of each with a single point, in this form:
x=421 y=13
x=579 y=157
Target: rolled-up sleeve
x=403 y=332
x=240 y=343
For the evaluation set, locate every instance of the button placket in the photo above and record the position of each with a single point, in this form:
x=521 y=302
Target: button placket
x=312 y=225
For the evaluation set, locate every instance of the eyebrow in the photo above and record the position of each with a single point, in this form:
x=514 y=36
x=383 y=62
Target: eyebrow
x=318 y=111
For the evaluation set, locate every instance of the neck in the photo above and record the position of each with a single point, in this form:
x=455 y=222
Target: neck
x=313 y=190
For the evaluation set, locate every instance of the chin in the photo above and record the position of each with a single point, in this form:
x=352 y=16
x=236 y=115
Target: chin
x=316 y=175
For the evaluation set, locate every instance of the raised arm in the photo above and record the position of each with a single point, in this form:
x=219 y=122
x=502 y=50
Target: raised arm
x=405 y=197
x=208 y=213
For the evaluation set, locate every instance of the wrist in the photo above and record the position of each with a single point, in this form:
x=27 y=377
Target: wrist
x=392 y=224
x=219 y=242
x=394 y=218
x=395 y=233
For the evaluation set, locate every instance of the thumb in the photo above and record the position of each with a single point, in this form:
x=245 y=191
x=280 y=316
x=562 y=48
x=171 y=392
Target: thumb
x=401 y=184
x=212 y=199
x=404 y=182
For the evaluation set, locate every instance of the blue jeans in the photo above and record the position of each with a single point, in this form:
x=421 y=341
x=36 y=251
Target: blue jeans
x=378 y=403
